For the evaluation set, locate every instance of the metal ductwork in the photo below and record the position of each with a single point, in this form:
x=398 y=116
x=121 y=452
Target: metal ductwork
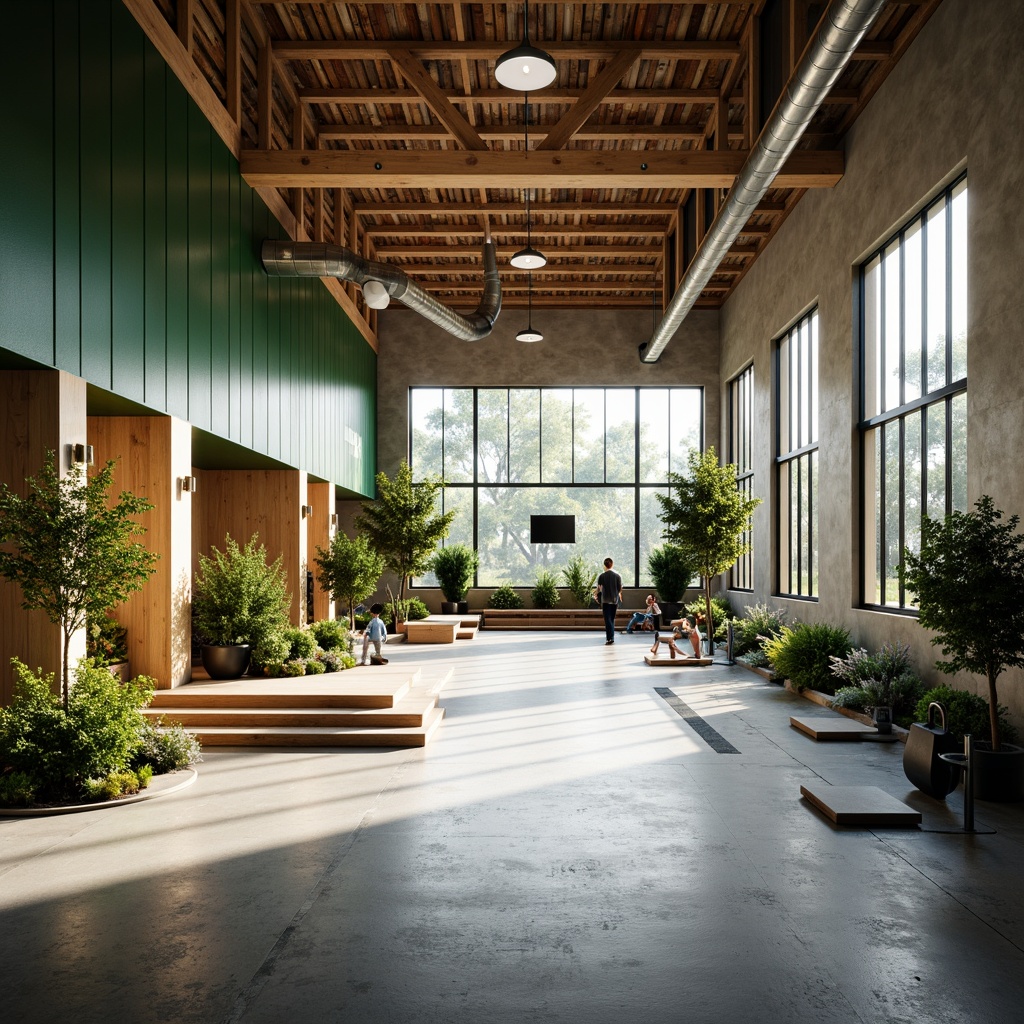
x=319 y=259
x=842 y=28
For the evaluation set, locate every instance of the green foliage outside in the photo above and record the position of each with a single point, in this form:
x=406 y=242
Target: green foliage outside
x=315 y=667
x=70 y=549
x=56 y=750
x=758 y=621
x=672 y=570
x=349 y=570
x=802 y=654
x=239 y=599
x=545 y=593
x=884 y=678
x=106 y=640
x=167 y=748
x=505 y=597
x=404 y=526
x=580 y=578
x=301 y=643
x=968 y=578
x=721 y=611
x=965 y=713
x=415 y=609
x=707 y=516
x=455 y=566
x=331 y=635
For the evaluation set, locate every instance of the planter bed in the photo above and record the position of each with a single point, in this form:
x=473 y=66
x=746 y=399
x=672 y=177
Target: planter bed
x=551 y=618
x=816 y=697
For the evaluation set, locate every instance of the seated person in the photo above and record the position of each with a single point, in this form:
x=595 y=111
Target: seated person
x=682 y=629
x=645 y=619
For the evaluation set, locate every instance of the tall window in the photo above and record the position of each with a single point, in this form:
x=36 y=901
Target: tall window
x=740 y=444
x=914 y=387
x=600 y=454
x=796 y=441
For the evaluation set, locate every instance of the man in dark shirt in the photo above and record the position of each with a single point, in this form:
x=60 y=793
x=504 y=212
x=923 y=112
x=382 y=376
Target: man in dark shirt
x=609 y=593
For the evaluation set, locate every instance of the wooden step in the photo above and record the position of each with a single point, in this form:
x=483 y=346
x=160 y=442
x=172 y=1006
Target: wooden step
x=324 y=736
x=431 y=631
x=860 y=805
x=682 y=661
x=830 y=727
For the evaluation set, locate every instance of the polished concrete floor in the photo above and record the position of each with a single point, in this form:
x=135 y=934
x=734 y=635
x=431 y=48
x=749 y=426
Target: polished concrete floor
x=567 y=849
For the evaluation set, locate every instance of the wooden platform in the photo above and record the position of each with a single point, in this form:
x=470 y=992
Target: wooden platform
x=831 y=727
x=379 y=706
x=860 y=805
x=442 y=629
x=552 y=618
x=679 y=662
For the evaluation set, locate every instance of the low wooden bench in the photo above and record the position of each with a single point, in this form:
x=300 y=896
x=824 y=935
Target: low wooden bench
x=468 y=624
x=552 y=618
x=680 y=662
x=431 y=631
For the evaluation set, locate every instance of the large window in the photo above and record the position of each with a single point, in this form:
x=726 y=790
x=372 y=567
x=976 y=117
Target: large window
x=600 y=454
x=796 y=442
x=741 y=438
x=914 y=388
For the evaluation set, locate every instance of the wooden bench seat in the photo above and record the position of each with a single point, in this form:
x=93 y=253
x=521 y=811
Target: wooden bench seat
x=431 y=631
x=552 y=618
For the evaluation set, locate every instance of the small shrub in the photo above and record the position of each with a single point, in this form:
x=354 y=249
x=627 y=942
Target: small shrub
x=348 y=661
x=755 y=658
x=759 y=621
x=271 y=649
x=545 y=593
x=415 y=609
x=301 y=643
x=274 y=670
x=106 y=640
x=720 y=609
x=315 y=667
x=117 y=784
x=294 y=667
x=331 y=660
x=331 y=635
x=854 y=698
x=965 y=713
x=166 y=748
x=144 y=774
x=17 y=789
x=505 y=597
x=885 y=677
x=801 y=654
x=578 y=577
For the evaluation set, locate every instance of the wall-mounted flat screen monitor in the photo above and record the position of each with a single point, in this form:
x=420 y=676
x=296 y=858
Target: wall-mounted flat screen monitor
x=552 y=529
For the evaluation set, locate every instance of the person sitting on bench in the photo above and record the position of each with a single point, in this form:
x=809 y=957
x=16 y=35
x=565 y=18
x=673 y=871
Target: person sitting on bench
x=644 y=620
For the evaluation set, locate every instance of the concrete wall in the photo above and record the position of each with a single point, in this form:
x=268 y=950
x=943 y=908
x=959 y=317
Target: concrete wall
x=948 y=105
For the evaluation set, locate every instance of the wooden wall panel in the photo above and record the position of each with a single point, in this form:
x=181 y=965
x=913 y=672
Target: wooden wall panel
x=40 y=410
x=319 y=533
x=153 y=454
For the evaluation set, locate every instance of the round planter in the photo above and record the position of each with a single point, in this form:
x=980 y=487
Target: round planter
x=449 y=607
x=999 y=774
x=227 y=662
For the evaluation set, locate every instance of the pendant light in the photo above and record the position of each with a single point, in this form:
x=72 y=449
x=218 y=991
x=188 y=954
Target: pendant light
x=525 y=68
x=528 y=333
x=528 y=258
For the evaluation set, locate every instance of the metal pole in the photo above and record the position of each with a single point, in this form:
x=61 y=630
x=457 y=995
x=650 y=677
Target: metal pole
x=969 y=783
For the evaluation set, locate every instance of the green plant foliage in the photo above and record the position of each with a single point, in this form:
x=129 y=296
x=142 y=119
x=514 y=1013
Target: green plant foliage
x=968 y=578
x=706 y=516
x=315 y=667
x=886 y=678
x=331 y=660
x=545 y=593
x=114 y=785
x=106 y=640
x=294 y=667
x=579 y=578
x=505 y=597
x=721 y=612
x=966 y=713
x=756 y=658
x=455 y=567
x=348 y=661
x=415 y=609
x=331 y=635
x=853 y=698
x=672 y=570
x=759 y=620
x=17 y=789
x=349 y=570
x=403 y=523
x=69 y=547
x=301 y=643
x=271 y=649
x=59 y=749
x=166 y=748
x=239 y=599
x=801 y=654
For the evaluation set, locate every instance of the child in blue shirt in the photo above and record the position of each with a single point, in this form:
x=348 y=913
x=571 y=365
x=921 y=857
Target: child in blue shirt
x=376 y=634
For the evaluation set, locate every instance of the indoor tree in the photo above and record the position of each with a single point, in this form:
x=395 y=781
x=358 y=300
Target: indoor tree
x=403 y=525
x=706 y=515
x=349 y=570
x=70 y=548
x=968 y=578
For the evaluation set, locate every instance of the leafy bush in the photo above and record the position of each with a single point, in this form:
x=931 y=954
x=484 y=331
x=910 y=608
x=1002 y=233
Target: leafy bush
x=60 y=750
x=672 y=570
x=721 y=610
x=854 y=698
x=331 y=635
x=545 y=593
x=801 y=654
x=348 y=661
x=455 y=565
x=331 y=660
x=415 y=609
x=314 y=667
x=755 y=658
x=759 y=620
x=579 y=578
x=271 y=649
x=301 y=643
x=106 y=640
x=506 y=597
x=965 y=713
x=167 y=748
x=17 y=789
x=117 y=784
x=294 y=667
x=885 y=677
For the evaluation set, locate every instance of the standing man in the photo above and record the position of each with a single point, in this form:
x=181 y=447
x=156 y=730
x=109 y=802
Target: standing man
x=609 y=593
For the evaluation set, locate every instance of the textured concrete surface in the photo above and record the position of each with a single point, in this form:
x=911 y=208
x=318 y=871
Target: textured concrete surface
x=568 y=849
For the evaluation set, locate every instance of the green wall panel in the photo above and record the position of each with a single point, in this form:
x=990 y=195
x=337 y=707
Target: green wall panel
x=129 y=252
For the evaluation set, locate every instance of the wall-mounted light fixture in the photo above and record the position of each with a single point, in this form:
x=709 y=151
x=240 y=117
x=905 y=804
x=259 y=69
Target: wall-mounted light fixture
x=334 y=519
x=189 y=483
x=83 y=454
x=307 y=511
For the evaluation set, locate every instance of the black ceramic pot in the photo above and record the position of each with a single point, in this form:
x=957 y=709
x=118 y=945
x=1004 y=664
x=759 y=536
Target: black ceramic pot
x=449 y=607
x=225 y=662
x=999 y=774
x=462 y=608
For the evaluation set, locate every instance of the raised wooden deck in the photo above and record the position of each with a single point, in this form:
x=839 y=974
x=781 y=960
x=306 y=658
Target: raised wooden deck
x=552 y=618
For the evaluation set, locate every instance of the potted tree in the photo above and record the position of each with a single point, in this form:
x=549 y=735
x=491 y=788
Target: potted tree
x=71 y=549
x=239 y=603
x=968 y=578
x=454 y=565
x=404 y=526
x=349 y=571
x=672 y=570
x=706 y=516
x=580 y=578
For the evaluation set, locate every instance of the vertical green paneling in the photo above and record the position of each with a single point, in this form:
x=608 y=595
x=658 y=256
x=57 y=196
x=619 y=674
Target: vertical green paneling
x=96 y=194
x=67 y=312
x=234 y=397
x=248 y=269
x=220 y=286
x=261 y=287
x=176 y=176
x=128 y=242
x=155 y=298
x=200 y=256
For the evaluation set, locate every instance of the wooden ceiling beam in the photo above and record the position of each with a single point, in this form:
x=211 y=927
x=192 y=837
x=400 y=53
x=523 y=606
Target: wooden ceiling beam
x=440 y=207
x=503 y=231
x=507 y=133
x=555 y=94
x=564 y=169
x=426 y=272
x=575 y=252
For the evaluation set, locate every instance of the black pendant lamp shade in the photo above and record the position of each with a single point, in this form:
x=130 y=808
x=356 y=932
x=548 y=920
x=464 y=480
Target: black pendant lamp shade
x=525 y=68
x=528 y=333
